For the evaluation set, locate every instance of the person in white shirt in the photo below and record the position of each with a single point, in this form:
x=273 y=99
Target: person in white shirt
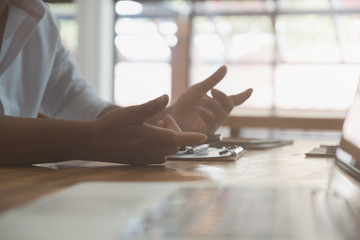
x=38 y=75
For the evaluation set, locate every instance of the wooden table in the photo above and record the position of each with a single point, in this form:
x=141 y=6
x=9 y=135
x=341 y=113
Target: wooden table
x=283 y=165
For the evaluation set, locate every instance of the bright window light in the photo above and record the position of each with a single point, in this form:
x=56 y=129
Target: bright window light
x=168 y=28
x=128 y=8
x=145 y=47
x=209 y=46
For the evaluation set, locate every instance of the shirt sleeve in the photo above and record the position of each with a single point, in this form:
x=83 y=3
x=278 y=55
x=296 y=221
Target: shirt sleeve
x=67 y=94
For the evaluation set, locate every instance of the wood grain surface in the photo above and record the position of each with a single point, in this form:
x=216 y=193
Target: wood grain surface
x=282 y=165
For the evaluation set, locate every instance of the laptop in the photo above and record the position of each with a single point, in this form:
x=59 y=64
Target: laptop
x=184 y=211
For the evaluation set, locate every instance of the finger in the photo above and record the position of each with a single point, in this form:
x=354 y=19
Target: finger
x=210 y=82
x=219 y=114
x=208 y=119
x=161 y=124
x=166 y=137
x=170 y=123
x=225 y=101
x=140 y=113
x=241 y=97
x=188 y=138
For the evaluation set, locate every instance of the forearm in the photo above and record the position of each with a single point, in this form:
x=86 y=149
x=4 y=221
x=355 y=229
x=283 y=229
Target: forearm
x=25 y=141
x=108 y=109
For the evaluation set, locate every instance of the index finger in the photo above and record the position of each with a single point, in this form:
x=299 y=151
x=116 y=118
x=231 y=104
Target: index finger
x=170 y=123
x=211 y=81
x=189 y=138
x=241 y=97
x=172 y=137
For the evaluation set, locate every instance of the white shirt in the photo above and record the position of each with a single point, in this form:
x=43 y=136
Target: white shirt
x=37 y=74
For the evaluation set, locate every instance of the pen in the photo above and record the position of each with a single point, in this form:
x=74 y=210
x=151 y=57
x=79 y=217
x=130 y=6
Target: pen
x=235 y=150
x=203 y=146
x=213 y=139
x=198 y=148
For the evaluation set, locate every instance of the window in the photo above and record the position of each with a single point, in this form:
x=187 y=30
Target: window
x=66 y=13
x=143 y=55
x=145 y=35
x=301 y=57
x=298 y=56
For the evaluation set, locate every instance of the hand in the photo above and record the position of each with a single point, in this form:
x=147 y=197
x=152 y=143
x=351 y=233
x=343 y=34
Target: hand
x=194 y=111
x=125 y=138
x=168 y=122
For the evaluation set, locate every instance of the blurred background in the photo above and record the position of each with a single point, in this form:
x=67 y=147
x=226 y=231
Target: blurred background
x=301 y=57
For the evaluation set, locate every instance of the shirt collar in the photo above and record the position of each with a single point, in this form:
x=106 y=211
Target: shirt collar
x=34 y=12
x=33 y=7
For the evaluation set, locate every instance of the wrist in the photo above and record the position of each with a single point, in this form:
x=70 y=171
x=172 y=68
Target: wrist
x=108 y=109
x=89 y=141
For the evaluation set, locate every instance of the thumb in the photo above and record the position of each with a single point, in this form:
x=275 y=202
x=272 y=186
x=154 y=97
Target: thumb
x=211 y=81
x=140 y=113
